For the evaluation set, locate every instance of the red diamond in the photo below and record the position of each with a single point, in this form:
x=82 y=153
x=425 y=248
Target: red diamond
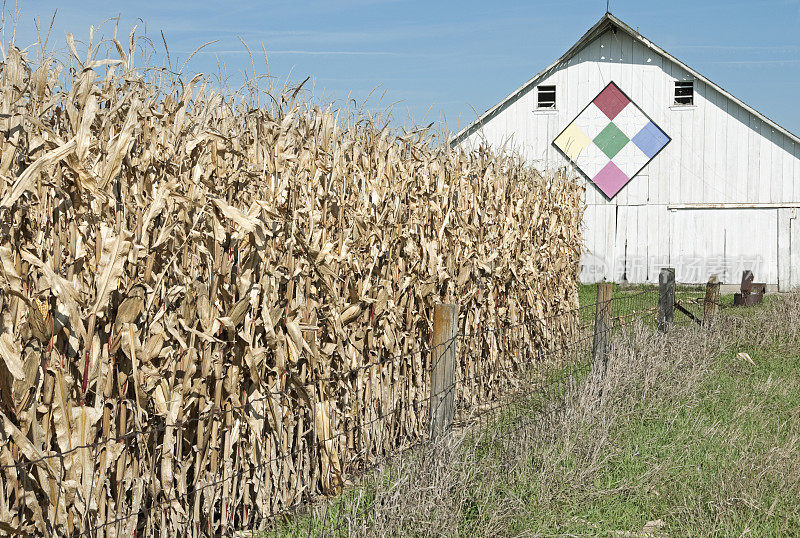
x=611 y=101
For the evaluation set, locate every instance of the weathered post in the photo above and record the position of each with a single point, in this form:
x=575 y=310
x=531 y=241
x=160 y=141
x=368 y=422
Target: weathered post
x=666 y=298
x=602 y=327
x=443 y=370
x=712 y=300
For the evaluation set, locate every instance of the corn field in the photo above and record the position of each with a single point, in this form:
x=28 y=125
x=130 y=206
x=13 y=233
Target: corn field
x=207 y=304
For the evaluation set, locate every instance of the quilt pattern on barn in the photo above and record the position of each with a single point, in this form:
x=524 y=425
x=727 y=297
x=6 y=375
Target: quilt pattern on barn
x=611 y=140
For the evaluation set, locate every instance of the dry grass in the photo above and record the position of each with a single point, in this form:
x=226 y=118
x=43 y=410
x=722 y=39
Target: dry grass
x=681 y=438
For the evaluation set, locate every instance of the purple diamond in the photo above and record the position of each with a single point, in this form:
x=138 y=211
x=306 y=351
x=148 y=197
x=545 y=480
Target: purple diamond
x=610 y=179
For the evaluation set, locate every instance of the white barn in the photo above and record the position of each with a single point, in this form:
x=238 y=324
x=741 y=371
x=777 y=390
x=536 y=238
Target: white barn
x=721 y=196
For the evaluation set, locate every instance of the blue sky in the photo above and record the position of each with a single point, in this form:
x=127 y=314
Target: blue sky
x=443 y=61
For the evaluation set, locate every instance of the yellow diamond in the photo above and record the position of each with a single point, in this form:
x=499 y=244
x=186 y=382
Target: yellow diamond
x=572 y=141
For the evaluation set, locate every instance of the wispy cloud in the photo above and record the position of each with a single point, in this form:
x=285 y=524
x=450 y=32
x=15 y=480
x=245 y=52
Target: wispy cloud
x=741 y=48
x=310 y=52
x=754 y=62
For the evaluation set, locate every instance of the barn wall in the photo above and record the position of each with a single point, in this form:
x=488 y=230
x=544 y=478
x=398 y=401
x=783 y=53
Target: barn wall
x=720 y=153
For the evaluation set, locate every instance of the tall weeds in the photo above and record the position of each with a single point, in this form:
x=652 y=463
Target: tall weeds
x=681 y=437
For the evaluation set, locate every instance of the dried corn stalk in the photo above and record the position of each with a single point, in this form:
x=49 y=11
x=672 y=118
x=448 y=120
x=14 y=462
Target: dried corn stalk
x=212 y=311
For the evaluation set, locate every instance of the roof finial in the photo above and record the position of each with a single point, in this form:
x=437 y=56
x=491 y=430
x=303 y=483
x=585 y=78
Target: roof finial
x=608 y=9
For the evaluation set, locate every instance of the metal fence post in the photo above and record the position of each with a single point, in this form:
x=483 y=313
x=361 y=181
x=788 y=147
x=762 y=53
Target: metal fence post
x=602 y=326
x=666 y=298
x=711 y=304
x=443 y=371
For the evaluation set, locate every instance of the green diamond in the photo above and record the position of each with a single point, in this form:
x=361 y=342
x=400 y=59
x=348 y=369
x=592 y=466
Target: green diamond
x=611 y=140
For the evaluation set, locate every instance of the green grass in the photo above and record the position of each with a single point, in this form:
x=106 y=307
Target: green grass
x=630 y=298
x=683 y=437
x=715 y=457
x=690 y=297
x=587 y=293
x=698 y=444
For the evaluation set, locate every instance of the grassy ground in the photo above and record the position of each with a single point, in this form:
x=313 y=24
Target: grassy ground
x=690 y=297
x=693 y=434
x=640 y=297
x=587 y=293
x=700 y=441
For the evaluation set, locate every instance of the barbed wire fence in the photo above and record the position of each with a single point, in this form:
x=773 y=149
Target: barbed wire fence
x=466 y=396
x=540 y=391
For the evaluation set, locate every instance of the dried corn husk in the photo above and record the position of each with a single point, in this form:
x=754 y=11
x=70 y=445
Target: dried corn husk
x=223 y=309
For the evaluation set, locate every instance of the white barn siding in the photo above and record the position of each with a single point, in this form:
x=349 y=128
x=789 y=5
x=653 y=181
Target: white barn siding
x=720 y=153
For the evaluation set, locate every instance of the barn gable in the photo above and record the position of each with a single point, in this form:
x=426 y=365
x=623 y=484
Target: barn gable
x=720 y=198
x=607 y=23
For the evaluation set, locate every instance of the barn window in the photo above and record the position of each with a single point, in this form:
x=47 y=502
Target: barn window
x=684 y=92
x=546 y=97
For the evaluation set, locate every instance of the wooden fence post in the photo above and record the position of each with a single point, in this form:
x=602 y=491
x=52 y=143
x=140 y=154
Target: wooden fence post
x=712 y=300
x=443 y=371
x=666 y=298
x=602 y=326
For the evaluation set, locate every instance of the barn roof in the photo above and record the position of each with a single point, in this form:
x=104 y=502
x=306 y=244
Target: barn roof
x=608 y=21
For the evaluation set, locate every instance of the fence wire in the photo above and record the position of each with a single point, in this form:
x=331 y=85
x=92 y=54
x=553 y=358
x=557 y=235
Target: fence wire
x=483 y=395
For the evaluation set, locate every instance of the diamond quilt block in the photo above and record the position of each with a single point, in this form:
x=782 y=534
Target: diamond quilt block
x=611 y=140
x=611 y=101
x=651 y=139
x=611 y=179
x=630 y=120
x=591 y=121
x=630 y=159
x=591 y=160
x=573 y=140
